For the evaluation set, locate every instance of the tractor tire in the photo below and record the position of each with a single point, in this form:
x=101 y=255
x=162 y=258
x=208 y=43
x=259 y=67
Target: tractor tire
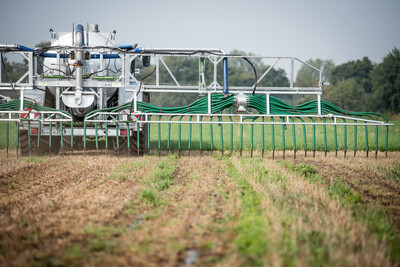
x=123 y=149
x=78 y=143
x=33 y=149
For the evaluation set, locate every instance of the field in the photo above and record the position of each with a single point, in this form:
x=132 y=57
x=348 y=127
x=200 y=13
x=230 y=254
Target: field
x=216 y=142
x=101 y=210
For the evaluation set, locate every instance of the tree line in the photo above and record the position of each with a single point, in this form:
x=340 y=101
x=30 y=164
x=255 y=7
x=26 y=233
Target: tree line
x=359 y=85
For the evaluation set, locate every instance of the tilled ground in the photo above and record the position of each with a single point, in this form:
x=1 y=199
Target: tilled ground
x=104 y=210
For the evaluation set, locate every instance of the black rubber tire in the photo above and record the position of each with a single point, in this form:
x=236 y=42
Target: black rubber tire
x=34 y=150
x=78 y=143
x=133 y=149
x=123 y=141
x=24 y=149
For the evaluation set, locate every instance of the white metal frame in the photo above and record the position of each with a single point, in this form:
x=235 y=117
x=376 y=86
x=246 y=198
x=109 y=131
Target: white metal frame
x=127 y=80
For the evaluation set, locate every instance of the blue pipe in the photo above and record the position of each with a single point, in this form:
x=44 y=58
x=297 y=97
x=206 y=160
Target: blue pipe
x=130 y=47
x=137 y=50
x=51 y=55
x=95 y=56
x=24 y=48
x=225 y=76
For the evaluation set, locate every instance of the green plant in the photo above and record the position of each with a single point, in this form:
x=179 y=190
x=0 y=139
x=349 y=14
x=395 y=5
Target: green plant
x=151 y=197
x=34 y=159
x=252 y=227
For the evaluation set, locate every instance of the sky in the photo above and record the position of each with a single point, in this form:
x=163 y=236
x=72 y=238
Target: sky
x=341 y=30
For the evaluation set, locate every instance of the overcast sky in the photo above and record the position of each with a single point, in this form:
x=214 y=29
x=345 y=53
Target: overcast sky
x=340 y=30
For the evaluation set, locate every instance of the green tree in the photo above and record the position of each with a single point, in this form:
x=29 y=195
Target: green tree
x=354 y=75
x=40 y=61
x=308 y=77
x=186 y=71
x=346 y=94
x=241 y=73
x=386 y=82
x=358 y=70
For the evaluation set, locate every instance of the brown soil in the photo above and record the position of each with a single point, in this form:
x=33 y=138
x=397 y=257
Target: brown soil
x=45 y=206
x=377 y=180
x=47 y=209
x=88 y=210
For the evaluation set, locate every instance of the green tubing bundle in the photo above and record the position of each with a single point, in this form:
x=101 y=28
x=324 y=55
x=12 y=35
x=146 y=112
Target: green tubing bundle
x=14 y=105
x=278 y=107
x=218 y=103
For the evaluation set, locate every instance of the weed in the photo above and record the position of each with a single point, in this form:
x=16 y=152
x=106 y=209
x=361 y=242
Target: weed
x=318 y=248
x=128 y=208
x=252 y=228
x=174 y=247
x=288 y=248
x=276 y=176
x=394 y=174
x=102 y=231
x=33 y=159
x=306 y=170
x=101 y=237
x=213 y=259
x=152 y=215
x=208 y=245
x=378 y=222
x=251 y=240
x=35 y=236
x=151 y=197
x=163 y=174
x=344 y=193
x=130 y=166
x=124 y=171
x=219 y=157
x=73 y=254
x=373 y=216
x=97 y=244
x=24 y=222
x=118 y=176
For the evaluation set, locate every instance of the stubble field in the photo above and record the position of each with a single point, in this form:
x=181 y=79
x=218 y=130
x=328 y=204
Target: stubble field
x=210 y=210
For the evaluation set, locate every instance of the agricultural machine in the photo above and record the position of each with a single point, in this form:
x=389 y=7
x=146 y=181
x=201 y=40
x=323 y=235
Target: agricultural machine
x=84 y=87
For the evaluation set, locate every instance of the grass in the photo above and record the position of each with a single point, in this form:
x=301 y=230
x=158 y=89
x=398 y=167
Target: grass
x=12 y=135
x=100 y=237
x=216 y=143
x=160 y=180
x=252 y=227
x=150 y=196
x=372 y=216
x=34 y=159
x=307 y=215
x=124 y=171
x=163 y=174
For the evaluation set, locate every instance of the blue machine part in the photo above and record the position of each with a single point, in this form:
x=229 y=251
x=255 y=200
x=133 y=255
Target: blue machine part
x=225 y=76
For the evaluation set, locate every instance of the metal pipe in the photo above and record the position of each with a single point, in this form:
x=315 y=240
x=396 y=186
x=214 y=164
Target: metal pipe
x=79 y=62
x=225 y=76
